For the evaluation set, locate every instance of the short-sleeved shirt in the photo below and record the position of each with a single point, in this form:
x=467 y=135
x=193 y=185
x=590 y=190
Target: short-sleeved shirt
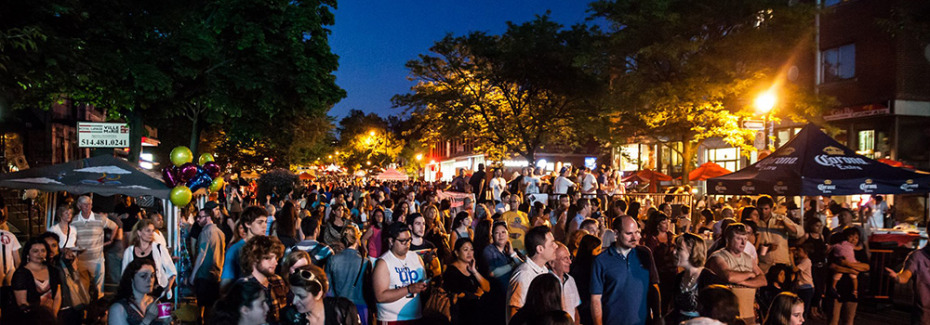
x=90 y=235
x=623 y=283
x=571 y=299
x=23 y=280
x=276 y=296
x=319 y=252
x=68 y=239
x=231 y=269
x=9 y=246
x=918 y=262
x=518 y=224
x=520 y=282
x=845 y=250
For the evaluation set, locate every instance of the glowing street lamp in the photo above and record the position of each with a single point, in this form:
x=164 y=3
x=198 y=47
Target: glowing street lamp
x=419 y=156
x=371 y=133
x=764 y=103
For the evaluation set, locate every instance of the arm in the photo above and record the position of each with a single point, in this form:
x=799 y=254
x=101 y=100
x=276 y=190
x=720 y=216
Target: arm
x=56 y=302
x=117 y=315
x=381 y=282
x=756 y=281
x=901 y=277
x=127 y=257
x=654 y=302
x=596 y=313
x=720 y=268
x=20 y=297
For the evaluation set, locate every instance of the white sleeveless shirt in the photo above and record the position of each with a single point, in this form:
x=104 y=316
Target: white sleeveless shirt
x=403 y=273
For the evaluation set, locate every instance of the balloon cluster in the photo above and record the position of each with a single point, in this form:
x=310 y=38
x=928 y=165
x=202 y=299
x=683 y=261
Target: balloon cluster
x=185 y=177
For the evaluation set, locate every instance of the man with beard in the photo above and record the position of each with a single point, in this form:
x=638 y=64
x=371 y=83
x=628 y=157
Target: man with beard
x=260 y=256
x=624 y=280
x=208 y=266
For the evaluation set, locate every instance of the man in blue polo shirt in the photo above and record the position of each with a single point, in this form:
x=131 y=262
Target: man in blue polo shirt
x=624 y=281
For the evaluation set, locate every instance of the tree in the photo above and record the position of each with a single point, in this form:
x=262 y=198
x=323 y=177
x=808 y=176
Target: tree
x=365 y=141
x=511 y=93
x=685 y=71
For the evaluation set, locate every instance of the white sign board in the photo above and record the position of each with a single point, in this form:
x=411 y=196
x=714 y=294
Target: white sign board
x=103 y=135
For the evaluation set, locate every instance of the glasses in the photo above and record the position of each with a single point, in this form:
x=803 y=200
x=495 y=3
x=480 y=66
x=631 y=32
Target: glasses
x=404 y=241
x=309 y=277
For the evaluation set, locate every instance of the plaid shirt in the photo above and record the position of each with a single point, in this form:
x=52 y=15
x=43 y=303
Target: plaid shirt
x=277 y=291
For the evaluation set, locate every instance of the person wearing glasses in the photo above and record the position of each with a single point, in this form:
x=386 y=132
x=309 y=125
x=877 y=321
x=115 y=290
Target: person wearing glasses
x=738 y=269
x=398 y=279
x=560 y=267
x=310 y=306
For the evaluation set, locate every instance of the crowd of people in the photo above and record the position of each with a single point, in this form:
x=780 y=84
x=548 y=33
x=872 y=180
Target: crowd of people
x=353 y=252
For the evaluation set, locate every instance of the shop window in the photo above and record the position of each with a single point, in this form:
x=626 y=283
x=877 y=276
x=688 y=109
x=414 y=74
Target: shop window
x=725 y=157
x=838 y=63
x=866 y=143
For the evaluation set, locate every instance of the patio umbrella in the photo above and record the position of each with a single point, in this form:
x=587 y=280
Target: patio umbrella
x=648 y=176
x=306 y=176
x=707 y=170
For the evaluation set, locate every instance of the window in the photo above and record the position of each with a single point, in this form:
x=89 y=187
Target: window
x=838 y=63
x=725 y=157
x=867 y=143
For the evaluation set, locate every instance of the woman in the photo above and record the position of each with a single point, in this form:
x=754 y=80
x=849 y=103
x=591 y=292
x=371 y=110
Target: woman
x=815 y=245
x=539 y=216
x=286 y=222
x=400 y=214
x=372 y=236
x=787 y=309
x=310 y=306
x=133 y=304
x=35 y=284
x=588 y=249
x=543 y=296
x=460 y=227
x=144 y=247
x=500 y=259
x=332 y=230
x=243 y=304
x=348 y=272
x=691 y=252
x=435 y=232
x=659 y=239
x=463 y=279
x=63 y=228
x=292 y=261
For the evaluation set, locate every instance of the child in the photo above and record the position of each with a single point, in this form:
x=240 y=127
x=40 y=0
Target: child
x=805 y=279
x=845 y=256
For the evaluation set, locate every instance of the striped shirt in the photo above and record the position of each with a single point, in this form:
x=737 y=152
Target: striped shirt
x=90 y=235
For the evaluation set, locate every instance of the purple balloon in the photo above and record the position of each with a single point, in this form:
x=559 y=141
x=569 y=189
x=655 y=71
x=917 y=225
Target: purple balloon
x=170 y=176
x=212 y=169
x=187 y=172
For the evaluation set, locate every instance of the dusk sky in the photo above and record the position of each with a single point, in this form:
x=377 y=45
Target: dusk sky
x=374 y=39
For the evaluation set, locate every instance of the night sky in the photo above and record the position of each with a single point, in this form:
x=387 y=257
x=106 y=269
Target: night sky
x=374 y=39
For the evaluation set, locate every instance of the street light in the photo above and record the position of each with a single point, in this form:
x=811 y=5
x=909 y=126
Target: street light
x=764 y=103
x=371 y=133
x=419 y=156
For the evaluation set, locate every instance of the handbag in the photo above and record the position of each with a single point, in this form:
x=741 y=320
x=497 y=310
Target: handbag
x=77 y=293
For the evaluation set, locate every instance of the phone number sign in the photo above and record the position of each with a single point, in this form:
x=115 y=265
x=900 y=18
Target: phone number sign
x=103 y=135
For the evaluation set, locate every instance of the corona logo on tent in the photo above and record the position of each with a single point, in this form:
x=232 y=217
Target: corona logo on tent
x=833 y=151
x=780 y=188
x=749 y=188
x=868 y=186
x=720 y=187
x=786 y=151
x=826 y=187
x=909 y=186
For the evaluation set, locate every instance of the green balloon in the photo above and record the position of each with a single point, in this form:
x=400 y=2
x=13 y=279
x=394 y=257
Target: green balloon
x=217 y=184
x=181 y=155
x=180 y=196
x=205 y=158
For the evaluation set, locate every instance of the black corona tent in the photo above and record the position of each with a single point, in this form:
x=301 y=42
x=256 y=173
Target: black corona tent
x=812 y=163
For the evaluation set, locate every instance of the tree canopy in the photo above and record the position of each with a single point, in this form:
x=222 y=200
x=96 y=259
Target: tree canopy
x=511 y=93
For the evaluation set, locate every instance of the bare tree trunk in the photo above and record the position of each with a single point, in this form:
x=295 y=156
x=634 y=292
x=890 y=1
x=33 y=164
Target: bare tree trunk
x=195 y=132
x=136 y=129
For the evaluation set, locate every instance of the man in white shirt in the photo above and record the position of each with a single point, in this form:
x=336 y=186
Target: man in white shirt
x=588 y=184
x=90 y=241
x=540 y=249
x=879 y=209
x=560 y=267
x=9 y=255
x=561 y=184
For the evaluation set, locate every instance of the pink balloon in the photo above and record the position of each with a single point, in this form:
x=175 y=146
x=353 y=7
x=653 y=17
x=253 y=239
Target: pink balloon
x=170 y=176
x=212 y=169
x=187 y=172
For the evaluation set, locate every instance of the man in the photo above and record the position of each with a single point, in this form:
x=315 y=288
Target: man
x=423 y=247
x=504 y=204
x=917 y=264
x=90 y=238
x=588 y=184
x=458 y=182
x=398 y=278
x=478 y=183
x=560 y=267
x=260 y=256
x=682 y=222
x=540 y=250
x=725 y=213
x=591 y=226
x=584 y=210
x=319 y=252
x=208 y=266
x=774 y=230
x=624 y=280
x=738 y=269
x=347 y=270
x=158 y=221
x=251 y=223
x=530 y=181
x=519 y=224
x=879 y=210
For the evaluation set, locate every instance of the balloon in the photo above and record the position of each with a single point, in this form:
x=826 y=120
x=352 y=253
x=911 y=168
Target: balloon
x=170 y=176
x=181 y=155
x=205 y=158
x=187 y=172
x=217 y=184
x=180 y=195
x=212 y=168
x=202 y=180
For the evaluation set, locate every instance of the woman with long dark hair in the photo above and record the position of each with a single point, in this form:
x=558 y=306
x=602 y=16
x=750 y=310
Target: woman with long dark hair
x=133 y=304
x=660 y=240
x=588 y=249
x=286 y=224
x=461 y=227
x=244 y=304
x=372 y=237
x=35 y=284
x=462 y=278
x=501 y=259
x=543 y=296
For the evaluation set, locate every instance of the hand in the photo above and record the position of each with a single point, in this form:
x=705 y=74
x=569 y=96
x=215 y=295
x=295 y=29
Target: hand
x=471 y=267
x=508 y=249
x=417 y=287
x=891 y=273
x=151 y=313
